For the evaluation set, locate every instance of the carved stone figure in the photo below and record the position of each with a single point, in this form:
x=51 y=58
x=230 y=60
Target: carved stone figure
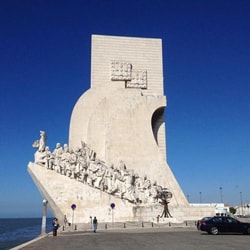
x=82 y=165
x=116 y=183
x=128 y=186
x=57 y=153
x=99 y=181
x=139 y=191
x=154 y=192
x=108 y=178
x=65 y=161
x=146 y=188
x=40 y=146
x=92 y=171
x=72 y=163
x=42 y=141
x=43 y=157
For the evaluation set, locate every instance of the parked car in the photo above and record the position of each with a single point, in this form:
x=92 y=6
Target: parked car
x=223 y=224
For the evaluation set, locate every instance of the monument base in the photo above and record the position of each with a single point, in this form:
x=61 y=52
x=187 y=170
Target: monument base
x=62 y=192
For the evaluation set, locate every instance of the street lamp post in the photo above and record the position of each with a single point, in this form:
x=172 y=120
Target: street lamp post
x=221 y=196
x=43 y=229
x=241 y=203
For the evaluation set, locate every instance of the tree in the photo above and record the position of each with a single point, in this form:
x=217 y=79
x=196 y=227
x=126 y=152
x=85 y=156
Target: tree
x=232 y=210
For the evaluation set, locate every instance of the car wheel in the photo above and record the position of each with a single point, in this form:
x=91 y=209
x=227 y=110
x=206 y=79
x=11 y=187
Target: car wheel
x=214 y=230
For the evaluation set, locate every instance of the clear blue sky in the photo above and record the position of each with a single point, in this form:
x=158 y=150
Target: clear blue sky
x=45 y=67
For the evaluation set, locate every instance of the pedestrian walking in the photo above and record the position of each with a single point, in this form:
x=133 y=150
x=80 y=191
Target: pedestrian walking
x=55 y=226
x=65 y=220
x=95 y=222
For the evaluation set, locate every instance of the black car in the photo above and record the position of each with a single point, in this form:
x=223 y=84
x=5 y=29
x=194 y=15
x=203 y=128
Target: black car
x=223 y=224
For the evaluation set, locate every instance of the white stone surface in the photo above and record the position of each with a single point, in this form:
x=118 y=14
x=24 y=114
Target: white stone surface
x=117 y=121
x=61 y=192
x=121 y=118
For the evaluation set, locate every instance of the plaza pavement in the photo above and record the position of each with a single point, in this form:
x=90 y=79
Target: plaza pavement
x=171 y=237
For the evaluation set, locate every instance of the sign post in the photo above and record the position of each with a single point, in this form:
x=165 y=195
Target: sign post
x=73 y=207
x=112 y=205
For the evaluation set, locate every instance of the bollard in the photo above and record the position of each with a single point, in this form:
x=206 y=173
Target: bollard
x=158 y=218
x=169 y=223
x=106 y=226
x=186 y=223
x=124 y=225
x=142 y=225
x=75 y=227
x=152 y=224
x=63 y=228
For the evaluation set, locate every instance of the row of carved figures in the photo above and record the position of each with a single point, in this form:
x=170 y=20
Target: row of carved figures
x=82 y=165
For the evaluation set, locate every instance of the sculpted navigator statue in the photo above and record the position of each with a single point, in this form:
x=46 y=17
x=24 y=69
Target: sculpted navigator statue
x=82 y=165
x=40 y=146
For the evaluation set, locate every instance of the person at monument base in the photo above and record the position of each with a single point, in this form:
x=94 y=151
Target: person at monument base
x=65 y=220
x=95 y=222
x=55 y=226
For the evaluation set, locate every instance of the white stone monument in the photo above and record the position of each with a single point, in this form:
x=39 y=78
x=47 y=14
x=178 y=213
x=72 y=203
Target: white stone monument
x=117 y=145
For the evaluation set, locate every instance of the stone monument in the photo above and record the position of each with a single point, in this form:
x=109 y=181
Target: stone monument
x=114 y=165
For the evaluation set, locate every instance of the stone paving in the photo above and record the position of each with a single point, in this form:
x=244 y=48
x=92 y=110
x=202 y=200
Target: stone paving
x=173 y=238
x=133 y=236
